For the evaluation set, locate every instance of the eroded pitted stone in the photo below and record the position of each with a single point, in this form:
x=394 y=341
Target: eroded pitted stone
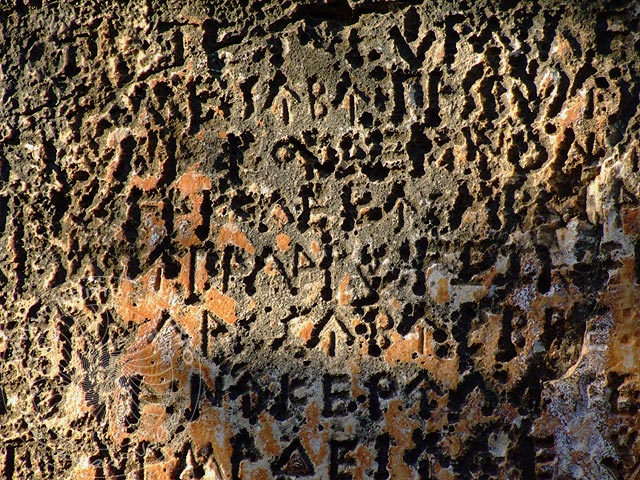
x=308 y=240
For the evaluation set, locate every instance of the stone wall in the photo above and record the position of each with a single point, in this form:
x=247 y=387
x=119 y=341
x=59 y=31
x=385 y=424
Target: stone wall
x=346 y=239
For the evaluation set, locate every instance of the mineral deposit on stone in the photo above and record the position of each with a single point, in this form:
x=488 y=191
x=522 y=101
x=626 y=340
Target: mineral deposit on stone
x=319 y=239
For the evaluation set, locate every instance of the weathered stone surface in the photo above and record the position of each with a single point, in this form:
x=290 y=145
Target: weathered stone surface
x=306 y=239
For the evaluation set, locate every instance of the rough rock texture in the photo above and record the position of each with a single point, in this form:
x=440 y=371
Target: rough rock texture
x=304 y=239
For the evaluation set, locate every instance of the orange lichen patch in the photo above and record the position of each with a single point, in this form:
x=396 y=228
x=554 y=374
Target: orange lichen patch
x=562 y=48
x=145 y=184
x=344 y=295
x=157 y=357
x=400 y=426
x=535 y=306
x=249 y=471
x=631 y=221
x=219 y=111
x=84 y=470
x=362 y=458
x=212 y=428
x=220 y=305
x=267 y=441
x=382 y=321
x=442 y=292
x=230 y=234
x=438 y=285
x=439 y=415
x=189 y=318
x=363 y=345
x=151 y=424
x=283 y=241
x=184 y=277
x=419 y=347
x=306 y=331
x=395 y=304
x=622 y=296
x=193 y=182
x=314 y=440
x=356 y=388
x=470 y=416
x=347 y=102
x=328 y=343
x=165 y=470
x=190 y=185
x=146 y=302
x=442 y=473
x=279 y=215
x=487 y=337
x=486 y=279
x=146 y=298
x=315 y=247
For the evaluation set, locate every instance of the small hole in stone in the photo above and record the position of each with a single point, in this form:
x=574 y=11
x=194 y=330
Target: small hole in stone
x=439 y=335
x=366 y=119
x=501 y=376
x=442 y=351
x=374 y=350
x=378 y=73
